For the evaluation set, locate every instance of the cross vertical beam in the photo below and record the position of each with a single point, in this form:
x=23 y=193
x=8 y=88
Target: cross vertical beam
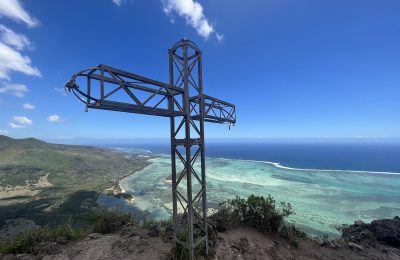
x=186 y=73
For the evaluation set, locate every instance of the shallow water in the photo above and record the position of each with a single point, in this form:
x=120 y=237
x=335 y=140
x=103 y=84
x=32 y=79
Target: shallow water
x=321 y=199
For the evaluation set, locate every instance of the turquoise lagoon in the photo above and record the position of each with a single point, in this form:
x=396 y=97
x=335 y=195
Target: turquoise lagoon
x=322 y=199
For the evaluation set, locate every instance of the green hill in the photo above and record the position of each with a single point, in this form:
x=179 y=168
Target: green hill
x=51 y=181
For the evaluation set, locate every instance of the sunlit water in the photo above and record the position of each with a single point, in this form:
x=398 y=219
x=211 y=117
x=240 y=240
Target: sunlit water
x=322 y=199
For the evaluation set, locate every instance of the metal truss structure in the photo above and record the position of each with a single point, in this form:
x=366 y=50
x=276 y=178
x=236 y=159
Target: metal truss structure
x=183 y=101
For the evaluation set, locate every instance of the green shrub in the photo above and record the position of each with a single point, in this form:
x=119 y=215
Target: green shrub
x=28 y=241
x=262 y=213
x=180 y=252
x=108 y=220
x=146 y=222
x=101 y=220
x=256 y=211
x=292 y=234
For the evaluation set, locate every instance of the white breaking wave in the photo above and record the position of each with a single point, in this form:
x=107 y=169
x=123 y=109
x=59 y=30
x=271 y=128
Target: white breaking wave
x=279 y=165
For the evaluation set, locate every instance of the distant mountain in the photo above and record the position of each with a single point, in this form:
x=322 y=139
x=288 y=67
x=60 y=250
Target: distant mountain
x=89 y=161
x=8 y=142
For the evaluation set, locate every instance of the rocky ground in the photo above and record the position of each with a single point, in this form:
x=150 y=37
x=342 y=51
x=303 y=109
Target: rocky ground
x=129 y=243
x=377 y=240
x=247 y=243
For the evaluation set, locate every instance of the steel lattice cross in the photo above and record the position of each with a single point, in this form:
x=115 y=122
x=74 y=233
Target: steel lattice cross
x=183 y=101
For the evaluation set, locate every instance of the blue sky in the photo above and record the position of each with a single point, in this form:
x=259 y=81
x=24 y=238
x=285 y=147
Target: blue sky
x=294 y=68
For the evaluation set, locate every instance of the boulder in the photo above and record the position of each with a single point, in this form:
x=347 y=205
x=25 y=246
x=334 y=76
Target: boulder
x=387 y=231
x=384 y=231
x=355 y=247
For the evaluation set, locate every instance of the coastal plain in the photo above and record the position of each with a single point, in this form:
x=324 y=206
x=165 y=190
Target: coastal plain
x=45 y=184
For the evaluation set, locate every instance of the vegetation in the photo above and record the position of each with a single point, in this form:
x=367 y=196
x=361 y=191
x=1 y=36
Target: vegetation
x=179 y=251
x=29 y=241
x=108 y=220
x=260 y=213
x=100 y=220
x=291 y=233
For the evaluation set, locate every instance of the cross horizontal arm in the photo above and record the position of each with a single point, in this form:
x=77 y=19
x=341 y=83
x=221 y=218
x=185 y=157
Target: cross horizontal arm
x=108 y=88
x=216 y=110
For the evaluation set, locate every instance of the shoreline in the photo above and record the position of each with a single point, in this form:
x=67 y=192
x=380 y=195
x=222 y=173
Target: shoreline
x=118 y=191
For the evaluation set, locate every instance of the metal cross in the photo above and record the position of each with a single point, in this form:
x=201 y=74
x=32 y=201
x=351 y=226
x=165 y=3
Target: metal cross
x=183 y=101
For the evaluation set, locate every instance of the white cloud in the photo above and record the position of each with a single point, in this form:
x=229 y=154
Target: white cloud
x=220 y=37
x=11 y=38
x=117 y=2
x=11 y=43
x=14 y=10
x=28 y=106
x=20 y=122
x=192 y=11
x=3 y=132
x=61 y=91
x=54 y=118
x=13 y=125
x=18 y=90
x=12 y=60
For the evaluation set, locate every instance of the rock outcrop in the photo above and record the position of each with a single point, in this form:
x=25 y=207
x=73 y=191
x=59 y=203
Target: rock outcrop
x=384 y=231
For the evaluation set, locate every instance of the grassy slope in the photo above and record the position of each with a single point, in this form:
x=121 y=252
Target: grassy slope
x=78 y=173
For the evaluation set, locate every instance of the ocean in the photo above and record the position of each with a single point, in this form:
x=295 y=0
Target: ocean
x=327 y=183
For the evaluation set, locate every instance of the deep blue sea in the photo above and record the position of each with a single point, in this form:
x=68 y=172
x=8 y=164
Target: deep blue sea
x=375 y=156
